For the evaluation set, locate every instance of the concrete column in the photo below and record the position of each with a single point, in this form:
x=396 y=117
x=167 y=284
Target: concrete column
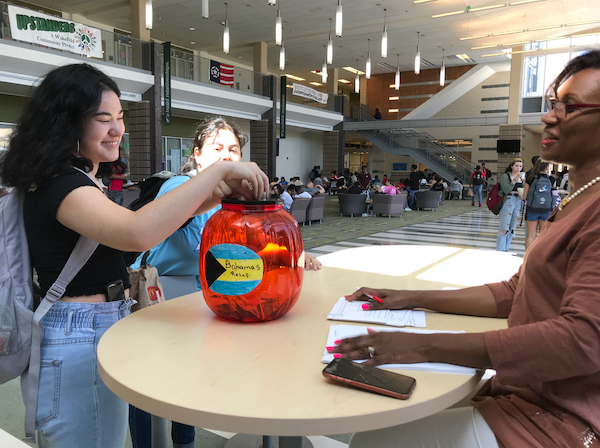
x=152 y=62
x=514 y=91
x=138 y=30
x=363 y=90
x=260 y=65
x=330 y=152
x=332 y=81
x=259 y=136
x=260 y=57
x=139 y=140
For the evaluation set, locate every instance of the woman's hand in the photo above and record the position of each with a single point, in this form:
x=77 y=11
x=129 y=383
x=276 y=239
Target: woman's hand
x=385 y=347
x=311 y=262
x=467 y=349
x=242 y=179
x=392 y=299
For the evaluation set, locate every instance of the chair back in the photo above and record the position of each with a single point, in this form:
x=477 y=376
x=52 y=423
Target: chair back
x=298 y=209
x=351 y=204
x=316 y=208
x=428 y=199
x=387 y=204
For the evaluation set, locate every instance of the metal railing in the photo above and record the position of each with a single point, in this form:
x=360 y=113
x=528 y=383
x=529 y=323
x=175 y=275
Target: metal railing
x=421 y=142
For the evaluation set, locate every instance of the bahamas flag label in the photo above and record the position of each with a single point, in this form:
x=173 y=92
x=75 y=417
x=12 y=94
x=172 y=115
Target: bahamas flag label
x=232 y=269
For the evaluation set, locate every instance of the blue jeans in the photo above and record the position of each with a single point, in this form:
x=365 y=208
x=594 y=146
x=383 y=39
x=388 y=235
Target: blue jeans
x=477 y=192
x=75 y=408
x=508 y=222
x=141 y=431
x=412 y=193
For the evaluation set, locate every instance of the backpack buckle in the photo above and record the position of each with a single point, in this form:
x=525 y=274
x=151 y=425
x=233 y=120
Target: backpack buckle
x=55 y=292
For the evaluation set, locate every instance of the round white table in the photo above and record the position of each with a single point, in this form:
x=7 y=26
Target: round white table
x=179 y=361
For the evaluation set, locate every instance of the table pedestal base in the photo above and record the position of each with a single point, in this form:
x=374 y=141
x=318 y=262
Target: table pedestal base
x=250 y=441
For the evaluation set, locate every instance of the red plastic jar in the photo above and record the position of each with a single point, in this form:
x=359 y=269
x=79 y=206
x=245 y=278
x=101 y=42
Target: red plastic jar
x=251 y=261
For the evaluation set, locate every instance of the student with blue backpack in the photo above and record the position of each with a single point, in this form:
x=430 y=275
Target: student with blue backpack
x=66 y=138
x=540 y=199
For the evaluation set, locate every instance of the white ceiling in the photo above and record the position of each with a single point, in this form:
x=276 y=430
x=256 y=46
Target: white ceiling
x=306 y=28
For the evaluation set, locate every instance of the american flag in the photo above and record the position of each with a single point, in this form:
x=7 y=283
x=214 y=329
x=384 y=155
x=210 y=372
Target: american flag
x=221 y=73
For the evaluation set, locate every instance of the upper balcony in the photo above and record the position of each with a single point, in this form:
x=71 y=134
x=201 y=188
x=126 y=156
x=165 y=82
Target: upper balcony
x=195 y=86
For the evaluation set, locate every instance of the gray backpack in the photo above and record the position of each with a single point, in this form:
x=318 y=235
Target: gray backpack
x=20 y=338
x=539 y=198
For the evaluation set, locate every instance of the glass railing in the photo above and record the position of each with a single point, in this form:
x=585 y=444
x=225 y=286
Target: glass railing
x=117 y=48
x=192 y=67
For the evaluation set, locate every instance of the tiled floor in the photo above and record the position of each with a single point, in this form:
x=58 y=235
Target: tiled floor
x=455 y=223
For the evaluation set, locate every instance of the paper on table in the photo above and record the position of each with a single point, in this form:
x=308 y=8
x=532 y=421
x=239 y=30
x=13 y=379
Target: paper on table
x=347 y=331
x=352 y=311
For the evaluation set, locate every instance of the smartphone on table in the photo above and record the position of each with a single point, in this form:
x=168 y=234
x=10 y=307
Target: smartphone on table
x=370 y=378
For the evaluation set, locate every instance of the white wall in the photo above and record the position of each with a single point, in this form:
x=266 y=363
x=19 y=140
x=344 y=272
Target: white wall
x=299 y=152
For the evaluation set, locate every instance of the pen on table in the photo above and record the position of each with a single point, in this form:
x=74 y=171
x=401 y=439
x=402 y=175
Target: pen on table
x=371 y=296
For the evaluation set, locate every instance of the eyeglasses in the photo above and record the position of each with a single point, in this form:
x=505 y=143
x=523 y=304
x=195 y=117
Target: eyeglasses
x=561 y=109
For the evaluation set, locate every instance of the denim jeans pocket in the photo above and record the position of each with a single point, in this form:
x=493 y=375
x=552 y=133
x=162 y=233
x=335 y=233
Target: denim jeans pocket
x=49 y=392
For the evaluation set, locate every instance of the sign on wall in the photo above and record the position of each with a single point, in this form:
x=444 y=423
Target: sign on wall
x=399 y=167
x=35 y=27
x=307 y=92
x=167 y=82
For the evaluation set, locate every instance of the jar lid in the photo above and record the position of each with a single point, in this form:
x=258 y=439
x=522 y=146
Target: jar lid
x=239 y=202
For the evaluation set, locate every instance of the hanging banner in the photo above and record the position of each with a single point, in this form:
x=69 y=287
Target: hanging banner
x=167 y=81
x=35 y=27
x=282 y=105
x=307 y=92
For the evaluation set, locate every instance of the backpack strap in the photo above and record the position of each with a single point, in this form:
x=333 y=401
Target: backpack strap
x=82 y=252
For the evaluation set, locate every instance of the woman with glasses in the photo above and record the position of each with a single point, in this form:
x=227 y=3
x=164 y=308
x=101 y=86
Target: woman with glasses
x=510 y=181
x=546 y=391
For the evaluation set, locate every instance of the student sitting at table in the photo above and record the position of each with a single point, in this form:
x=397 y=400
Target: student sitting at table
x=546 y=391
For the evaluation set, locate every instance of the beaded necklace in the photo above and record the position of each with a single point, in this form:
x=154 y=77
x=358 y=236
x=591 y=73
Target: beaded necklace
x=569 y=198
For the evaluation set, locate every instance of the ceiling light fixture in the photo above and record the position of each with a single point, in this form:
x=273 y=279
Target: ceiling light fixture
x=504 y=33
x=485 y=46
x=330 y=46
x=545 y=28
x=324 y=69
x=443 y=70
x=384 y=36
x=205 y=9
x=446 y=14
x=294 y=77
x=278 y=28
x=315 y=83
x=423 y=1
x=484 y=8
x=282 y=57
x=368 y=64
x=357 y=81
x=522 y=2
x=226 y=33
x=338 y=19
x=475 y=37
x=417 y=56
x=397 y=79
x=148 y=14
x=272 y=2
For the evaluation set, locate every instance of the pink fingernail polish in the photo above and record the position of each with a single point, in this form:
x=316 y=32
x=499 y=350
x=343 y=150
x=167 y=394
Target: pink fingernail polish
x=337 y=342
x=365 y=306
x=337 y=355
x=329 y=348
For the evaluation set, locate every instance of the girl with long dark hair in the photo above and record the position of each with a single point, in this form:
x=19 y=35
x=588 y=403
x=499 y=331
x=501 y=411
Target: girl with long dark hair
x=66 y=138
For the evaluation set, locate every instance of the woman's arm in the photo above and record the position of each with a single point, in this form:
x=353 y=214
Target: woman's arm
x=88 y=212
x=505 y=184
x=525 y=190
x=475 y=301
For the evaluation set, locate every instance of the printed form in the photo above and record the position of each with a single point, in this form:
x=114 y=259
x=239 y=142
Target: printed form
x=353 y=312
